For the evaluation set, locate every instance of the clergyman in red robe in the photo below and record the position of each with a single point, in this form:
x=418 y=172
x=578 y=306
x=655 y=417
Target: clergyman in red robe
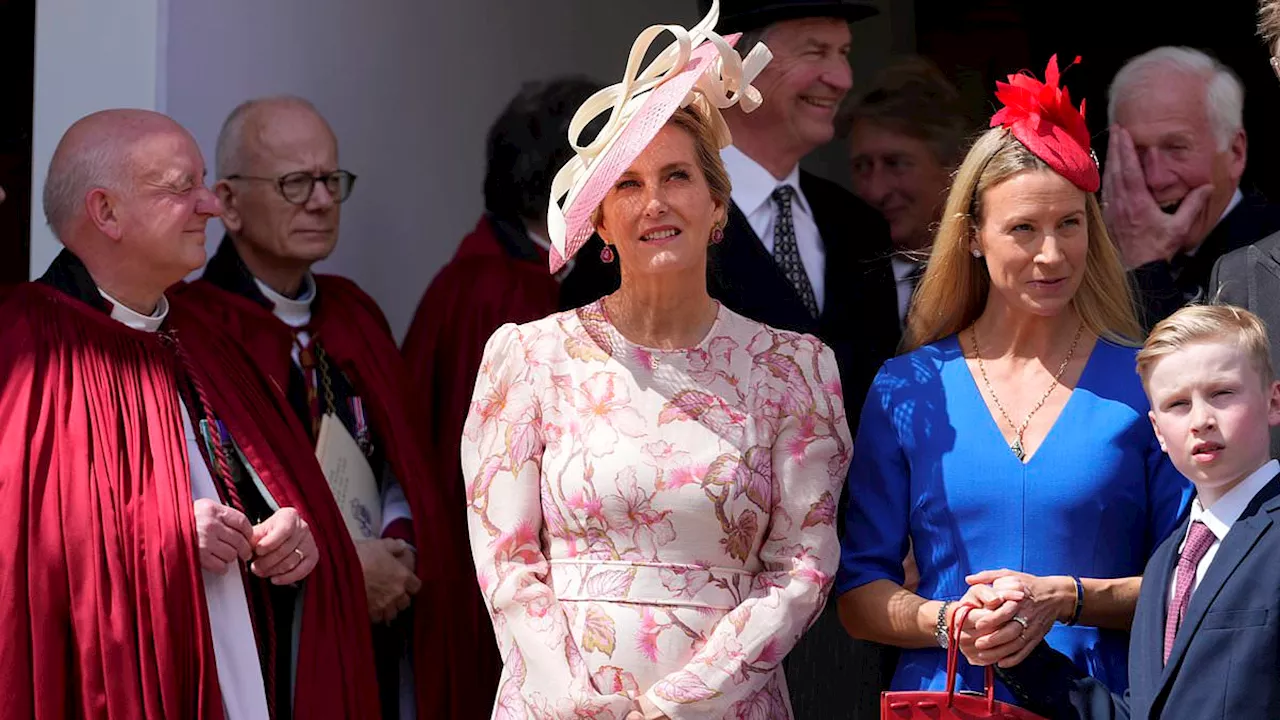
x=161 y=545
x=327 y=345
x=498 y=275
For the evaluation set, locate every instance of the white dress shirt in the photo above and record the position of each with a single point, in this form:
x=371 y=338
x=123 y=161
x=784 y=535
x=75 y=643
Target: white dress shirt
x=1220 y=516
x=296 y=313
x=235 y=650
x=1236 y=199
x=753 y=188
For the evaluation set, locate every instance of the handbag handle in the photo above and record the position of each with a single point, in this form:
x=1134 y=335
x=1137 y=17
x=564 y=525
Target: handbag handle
x=953 y=661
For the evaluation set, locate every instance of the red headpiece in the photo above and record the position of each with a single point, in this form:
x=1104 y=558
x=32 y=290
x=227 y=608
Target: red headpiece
x=1041 y=116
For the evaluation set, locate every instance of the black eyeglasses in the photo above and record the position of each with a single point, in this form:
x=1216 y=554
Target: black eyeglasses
x=297 y=187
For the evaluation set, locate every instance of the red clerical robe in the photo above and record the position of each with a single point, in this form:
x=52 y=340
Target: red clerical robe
x=355 y=334
x=102 y=608
x=495 y=277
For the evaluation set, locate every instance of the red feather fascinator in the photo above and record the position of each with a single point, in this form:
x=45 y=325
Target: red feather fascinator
x=1041 y=116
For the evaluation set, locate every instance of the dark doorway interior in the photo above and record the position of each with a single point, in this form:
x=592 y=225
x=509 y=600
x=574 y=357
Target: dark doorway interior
x=980 y=41
x=17 y=83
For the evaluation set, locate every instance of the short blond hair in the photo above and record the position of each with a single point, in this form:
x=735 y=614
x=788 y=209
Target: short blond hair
x=954 y=290
x=1207 y=323
x=1269 y=22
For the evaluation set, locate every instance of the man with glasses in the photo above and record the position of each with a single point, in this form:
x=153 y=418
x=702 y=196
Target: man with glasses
x=1250 y=277
x=328 y=346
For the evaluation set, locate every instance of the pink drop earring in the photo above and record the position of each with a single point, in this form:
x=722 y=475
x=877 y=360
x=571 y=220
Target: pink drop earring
x=606 y=254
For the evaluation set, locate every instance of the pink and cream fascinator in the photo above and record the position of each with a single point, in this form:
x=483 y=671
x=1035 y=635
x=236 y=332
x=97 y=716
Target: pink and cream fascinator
x=700 y=69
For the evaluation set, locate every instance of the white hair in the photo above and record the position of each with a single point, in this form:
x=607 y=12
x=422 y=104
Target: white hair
x=71 y=177
x=1224 y=93
x=229 y=153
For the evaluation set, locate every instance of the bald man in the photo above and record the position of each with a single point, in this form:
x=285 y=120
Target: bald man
x=326 y=342
x=157 y=499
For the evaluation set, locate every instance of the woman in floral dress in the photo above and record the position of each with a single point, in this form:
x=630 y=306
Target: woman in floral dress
x=652 y=479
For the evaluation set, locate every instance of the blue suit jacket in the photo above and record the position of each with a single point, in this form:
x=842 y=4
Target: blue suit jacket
x=1225 y=662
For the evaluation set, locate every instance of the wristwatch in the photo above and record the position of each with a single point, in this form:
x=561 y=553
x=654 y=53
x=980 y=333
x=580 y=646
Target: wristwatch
x=940 y=631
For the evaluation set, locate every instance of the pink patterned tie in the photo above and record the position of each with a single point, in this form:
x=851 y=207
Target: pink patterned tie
x=1199 y=540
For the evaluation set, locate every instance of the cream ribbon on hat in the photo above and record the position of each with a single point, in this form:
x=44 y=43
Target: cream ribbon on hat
x=726 y=81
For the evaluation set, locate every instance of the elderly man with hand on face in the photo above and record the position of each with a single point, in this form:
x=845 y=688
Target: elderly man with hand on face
x=326 y=343
x=1171 y=192
x=156 y=496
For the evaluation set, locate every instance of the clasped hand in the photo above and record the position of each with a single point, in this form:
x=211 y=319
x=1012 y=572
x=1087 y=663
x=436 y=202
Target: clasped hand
x=1012 y=613
x=279 y=548
x=389 y=581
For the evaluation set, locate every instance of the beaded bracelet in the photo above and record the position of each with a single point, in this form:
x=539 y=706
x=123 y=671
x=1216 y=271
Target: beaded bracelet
x=1075 y=616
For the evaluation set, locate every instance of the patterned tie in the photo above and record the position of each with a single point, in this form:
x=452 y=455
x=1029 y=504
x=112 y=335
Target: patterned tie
x=1199 y=539
x=785 y=251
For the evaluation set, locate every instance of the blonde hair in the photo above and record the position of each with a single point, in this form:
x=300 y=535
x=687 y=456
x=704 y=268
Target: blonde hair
x=1206 y=323
x=954 y=290
x=707 y=157
x=1269 y=22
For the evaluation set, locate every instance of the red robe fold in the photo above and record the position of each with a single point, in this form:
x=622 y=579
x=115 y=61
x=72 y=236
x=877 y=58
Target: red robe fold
x=481 y=288
x=353 y=332
x=102 y=608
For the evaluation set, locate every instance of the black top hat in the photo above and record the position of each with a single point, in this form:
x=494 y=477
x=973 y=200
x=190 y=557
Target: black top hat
x=745 y=15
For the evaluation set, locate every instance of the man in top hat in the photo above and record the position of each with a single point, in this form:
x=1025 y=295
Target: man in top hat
x=326 y=344
x=798 y=253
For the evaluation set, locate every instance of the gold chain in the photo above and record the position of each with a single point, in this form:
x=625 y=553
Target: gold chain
x=1016 y=446
x=323 y=361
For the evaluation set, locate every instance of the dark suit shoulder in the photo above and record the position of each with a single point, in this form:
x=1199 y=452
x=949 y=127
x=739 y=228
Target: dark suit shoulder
x=1229 y=281
x=826 y=194
x=1252 y=220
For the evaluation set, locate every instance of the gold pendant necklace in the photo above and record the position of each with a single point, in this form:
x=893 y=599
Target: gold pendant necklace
x=1016 y=446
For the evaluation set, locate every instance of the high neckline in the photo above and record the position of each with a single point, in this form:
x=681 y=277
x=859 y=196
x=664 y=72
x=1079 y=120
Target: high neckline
x=621 y=340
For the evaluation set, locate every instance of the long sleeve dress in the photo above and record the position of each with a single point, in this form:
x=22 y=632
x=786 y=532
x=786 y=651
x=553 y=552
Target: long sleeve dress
x=652 y=522
x=930 y=464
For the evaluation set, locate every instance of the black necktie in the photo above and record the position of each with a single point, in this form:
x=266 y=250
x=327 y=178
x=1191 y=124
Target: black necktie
x=785 y=251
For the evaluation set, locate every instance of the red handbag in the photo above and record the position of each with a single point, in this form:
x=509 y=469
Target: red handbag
x=950 y=705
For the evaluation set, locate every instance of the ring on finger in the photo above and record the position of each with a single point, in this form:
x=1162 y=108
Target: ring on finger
x=1023 y=622
x=298 y=552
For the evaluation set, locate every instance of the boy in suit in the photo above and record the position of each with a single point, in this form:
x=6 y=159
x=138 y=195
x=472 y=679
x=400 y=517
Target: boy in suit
x=1206 y=632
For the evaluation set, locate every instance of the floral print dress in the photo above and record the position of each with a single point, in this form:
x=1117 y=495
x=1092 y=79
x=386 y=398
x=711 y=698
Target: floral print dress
x=652 y=522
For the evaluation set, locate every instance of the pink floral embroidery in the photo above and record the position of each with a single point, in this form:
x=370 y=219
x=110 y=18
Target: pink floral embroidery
x=603 y=403
x=610 y=679
x=668 y=532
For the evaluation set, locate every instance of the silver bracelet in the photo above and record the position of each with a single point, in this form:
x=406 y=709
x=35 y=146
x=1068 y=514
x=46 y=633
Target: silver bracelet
x=940 y=631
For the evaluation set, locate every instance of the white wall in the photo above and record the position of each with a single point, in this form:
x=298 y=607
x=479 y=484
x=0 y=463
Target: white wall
x=409 y=86
x=90 y=55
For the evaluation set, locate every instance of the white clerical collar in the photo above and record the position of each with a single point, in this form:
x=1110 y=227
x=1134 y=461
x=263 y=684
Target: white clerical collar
x=295 y=313
x=753 y=186
x=135 y=320
x=1221 y=515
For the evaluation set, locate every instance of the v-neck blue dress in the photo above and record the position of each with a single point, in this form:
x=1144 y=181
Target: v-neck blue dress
x=930 y=464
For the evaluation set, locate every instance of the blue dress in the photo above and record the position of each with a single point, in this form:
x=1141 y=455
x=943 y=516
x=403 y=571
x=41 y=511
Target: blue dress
x=930 y=464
